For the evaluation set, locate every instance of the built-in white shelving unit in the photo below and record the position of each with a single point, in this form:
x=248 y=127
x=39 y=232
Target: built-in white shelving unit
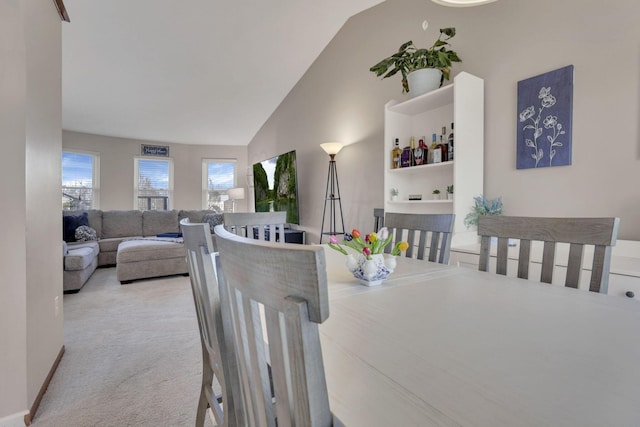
x=462 y=103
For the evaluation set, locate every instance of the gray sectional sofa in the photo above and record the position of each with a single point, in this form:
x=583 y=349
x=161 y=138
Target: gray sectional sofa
x=142 y=244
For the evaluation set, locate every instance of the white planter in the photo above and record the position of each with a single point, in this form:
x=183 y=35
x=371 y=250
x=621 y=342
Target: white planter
x=423 y=81
x=449 y=196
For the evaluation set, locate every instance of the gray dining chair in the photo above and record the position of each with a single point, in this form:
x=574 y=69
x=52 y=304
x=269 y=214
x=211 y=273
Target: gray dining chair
x=578 y=232
x=378 y=219
x=277 y=297
x=218 y=360
x=261 y=225
x=418 y=227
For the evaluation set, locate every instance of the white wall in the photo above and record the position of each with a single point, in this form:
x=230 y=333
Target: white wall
x=503 y=42
x=13 y=296
x=44 y=222
x=117 y=160
x=30 y=251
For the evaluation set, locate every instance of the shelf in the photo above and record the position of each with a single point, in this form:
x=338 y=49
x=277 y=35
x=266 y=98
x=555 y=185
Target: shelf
x=424 y=115
x=422 y=167
x=428 y=101
x=418 y=202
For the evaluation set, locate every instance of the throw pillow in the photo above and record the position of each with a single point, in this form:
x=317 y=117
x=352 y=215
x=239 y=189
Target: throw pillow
x=213 y=220
x=70 y=223
x=84 y=233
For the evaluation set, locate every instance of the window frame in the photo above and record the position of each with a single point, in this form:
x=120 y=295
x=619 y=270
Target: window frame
x=95 y=171
x=136 y=180
x=205 y=179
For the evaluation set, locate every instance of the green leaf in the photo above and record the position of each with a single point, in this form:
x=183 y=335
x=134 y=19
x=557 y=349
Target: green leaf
x=444 y=58
x=405 y=46
x=449 y=32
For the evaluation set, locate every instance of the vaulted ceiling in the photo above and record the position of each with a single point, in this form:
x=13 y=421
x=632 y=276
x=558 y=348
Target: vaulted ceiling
x=196 y=71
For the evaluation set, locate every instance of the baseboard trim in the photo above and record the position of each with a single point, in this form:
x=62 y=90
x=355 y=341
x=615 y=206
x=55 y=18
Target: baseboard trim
x=28 y=418
x=14 y=420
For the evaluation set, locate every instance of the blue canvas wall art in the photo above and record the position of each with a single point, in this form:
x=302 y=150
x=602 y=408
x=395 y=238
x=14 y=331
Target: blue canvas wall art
x=545 y=108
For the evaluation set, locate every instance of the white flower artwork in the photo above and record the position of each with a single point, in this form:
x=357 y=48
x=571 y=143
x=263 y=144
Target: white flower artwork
x=545 y=104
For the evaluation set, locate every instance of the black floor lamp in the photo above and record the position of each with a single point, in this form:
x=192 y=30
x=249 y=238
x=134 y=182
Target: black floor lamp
x=332 y=195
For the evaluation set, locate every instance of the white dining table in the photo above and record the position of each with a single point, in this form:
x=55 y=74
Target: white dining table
x=439 y=345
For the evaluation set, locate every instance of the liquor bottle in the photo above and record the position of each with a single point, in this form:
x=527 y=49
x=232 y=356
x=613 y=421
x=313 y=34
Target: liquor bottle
x=443 y=144
x=421 y=152
x=412 y=147
x=405 y=157
x=395 y=154
x=450 y=144
x=436 y=154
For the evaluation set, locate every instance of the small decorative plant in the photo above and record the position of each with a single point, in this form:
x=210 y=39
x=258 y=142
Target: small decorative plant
x=483 y=206
x=450 y=189
x=436 y=191
x=394 y=192
x=409 y=58
x=373 y=243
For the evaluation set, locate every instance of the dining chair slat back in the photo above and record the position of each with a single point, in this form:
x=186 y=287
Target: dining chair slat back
x=218 y=360
x=265 y=225
x=378 y=219
x=577 y=232
x=420 y=225
x=277 y=290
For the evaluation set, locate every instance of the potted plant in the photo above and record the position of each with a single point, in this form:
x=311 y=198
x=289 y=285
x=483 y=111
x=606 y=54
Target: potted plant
x=436 y=194
x=409 y=59
x=394 y=194
x=450 y=192
x=483 y=206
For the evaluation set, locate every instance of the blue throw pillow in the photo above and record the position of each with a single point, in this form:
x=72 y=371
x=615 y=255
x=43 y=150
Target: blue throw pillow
x=70 y=223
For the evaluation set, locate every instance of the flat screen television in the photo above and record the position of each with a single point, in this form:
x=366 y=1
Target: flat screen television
x=275 y=185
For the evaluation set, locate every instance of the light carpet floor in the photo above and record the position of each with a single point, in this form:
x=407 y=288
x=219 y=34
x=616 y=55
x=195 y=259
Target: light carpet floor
x=132 y=358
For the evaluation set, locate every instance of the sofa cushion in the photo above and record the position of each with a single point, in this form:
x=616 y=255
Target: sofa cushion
x=80 y=256
x=121 y=223
x=157 y=222
x=111 y=245
x=70 y=223
x=148 y=249
x=84 y=233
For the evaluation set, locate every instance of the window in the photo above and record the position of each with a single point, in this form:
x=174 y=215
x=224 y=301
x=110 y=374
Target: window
x=80 y=180
x=153 y=186
x=218 y=176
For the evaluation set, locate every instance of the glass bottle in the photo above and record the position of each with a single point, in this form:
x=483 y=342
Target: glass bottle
x=421 y=152
x=450 y=144
x=412 y=153
x=396 y=153
x=443 y=144
x=436 y=154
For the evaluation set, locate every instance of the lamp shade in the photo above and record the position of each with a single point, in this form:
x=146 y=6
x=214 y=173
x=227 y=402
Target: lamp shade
x=331 y=147
x=236 y=193
x=462 y=3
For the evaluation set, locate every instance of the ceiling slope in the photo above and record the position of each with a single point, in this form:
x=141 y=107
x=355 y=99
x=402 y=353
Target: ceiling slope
x=193 y=72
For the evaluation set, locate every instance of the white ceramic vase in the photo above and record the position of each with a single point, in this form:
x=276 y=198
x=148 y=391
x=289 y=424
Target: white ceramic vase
x=370 y=272
x=423 y=81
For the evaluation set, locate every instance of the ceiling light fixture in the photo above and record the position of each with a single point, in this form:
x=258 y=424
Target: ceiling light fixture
x=462 y=3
